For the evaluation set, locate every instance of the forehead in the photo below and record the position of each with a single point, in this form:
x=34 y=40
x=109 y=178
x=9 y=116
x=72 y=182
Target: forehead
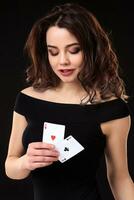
x=58 y=36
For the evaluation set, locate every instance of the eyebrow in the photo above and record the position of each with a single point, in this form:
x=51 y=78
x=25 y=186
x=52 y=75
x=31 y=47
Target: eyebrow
x=69 y=45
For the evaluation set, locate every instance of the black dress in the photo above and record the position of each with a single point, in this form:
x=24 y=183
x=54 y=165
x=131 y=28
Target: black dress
x=76 y=178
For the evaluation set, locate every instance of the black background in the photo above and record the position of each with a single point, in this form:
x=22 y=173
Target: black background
x=16 y=20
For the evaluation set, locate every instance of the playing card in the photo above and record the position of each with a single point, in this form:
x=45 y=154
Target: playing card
x=53 y=133
x=68 y=148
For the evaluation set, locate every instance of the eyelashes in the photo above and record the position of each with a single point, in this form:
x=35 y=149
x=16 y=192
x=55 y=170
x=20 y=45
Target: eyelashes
x=52 y=53
x=75 y=50
x=72 y=51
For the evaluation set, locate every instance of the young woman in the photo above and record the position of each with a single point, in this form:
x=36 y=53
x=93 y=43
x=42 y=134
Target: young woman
x=74 y=81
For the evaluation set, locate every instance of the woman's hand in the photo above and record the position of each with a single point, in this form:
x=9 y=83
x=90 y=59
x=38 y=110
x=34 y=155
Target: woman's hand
x=39 y=154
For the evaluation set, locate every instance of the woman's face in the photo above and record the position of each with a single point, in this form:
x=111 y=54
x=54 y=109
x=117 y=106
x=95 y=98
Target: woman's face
x=64 y=53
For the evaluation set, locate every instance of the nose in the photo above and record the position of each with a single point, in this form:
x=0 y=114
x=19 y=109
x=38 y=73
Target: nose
x=63 y=59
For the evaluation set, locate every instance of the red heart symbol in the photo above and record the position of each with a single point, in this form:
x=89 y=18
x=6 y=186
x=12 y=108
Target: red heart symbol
x=53 y=137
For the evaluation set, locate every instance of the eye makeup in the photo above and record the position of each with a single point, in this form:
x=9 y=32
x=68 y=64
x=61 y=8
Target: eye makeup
x=54 y=51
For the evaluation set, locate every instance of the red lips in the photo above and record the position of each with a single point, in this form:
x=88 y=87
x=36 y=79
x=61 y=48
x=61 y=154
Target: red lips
x=66 y=72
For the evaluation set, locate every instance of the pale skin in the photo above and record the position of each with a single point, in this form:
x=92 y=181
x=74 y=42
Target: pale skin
x=64 y=53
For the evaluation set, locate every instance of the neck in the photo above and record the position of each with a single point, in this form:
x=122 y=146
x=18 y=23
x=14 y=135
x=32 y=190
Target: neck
x=71 y=88
x=71 y=92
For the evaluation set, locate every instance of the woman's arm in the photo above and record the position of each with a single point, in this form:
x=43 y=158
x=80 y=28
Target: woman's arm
x=18 y=165
x=14 y=161
x=116 y=132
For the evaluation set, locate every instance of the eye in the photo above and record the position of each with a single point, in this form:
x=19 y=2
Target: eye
x=53 y=52
x=74 y=50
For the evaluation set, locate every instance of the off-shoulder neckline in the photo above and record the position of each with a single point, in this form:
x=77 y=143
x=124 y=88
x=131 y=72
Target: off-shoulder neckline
x=71 y=104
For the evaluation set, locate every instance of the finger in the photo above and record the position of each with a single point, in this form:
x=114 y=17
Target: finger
x=43 y=159
x=42 y=152
x=41 y=145
x=39 y=165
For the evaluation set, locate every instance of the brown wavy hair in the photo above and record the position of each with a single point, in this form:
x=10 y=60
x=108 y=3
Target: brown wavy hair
x=100 y=71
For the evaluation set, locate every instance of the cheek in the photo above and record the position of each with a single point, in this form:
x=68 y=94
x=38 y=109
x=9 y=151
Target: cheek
x=52 y=61
x=79 y=61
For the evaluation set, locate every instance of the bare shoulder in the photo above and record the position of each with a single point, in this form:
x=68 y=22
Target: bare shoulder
x=120 y=125
x=36 y=93
x=100 y=100
x=28 y=91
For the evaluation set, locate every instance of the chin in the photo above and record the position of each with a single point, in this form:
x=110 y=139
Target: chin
x=67 y=80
